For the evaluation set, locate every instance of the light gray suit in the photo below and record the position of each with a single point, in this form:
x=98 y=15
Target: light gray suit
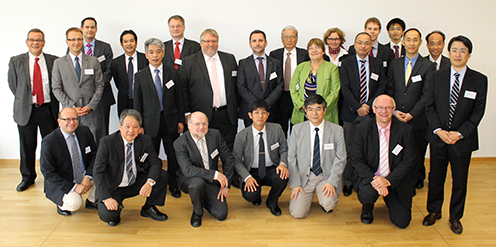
x=87 y=92
x=333 y=160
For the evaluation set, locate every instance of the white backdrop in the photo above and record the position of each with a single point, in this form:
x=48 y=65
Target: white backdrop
x=234 y=20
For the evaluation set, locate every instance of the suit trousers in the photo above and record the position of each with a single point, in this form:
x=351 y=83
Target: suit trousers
x=300 y=207
x=221 y=121
x=271 y=179
x=418 y=170
x=349 y=129
x=128 y=104
x=440 y=156
x=42 y=118
x=93 y=121
x=157 y=196
x=203 y=194
x=285 y=112
x=104 y=112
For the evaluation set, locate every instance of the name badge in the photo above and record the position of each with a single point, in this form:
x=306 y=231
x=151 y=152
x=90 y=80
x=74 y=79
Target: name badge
x=397 y=149
x=169 y=84
x=374 y=76
x=384 y=64
x=416 y=78
x=328 y=146
x=178 y=62
x=87 y=150
x=470 y=94
x=101 y=58
x=89 y=72
x=234 y=73
x=214 y=153
x=274 y=146
x=297 y=86
x=143 y=158
x=273 y=75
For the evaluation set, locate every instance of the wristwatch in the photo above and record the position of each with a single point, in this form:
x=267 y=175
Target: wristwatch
x=151 y=183
x=460 y=135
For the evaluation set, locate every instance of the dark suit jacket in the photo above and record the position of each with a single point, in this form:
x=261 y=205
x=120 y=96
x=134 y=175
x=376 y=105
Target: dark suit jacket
x=190 y=160
x=197 y=89
x=119 y=73
x=365 y=153
x=56 y=161
x=403 y=51
x=445 y=62
x=146 y=100
x=384 y=53
x=249 y=87
x=411 y=98
x=20 y=84
x=468 y=113
x=190 y=47
x=302 y=55
x=350 y=86
x=110 y=161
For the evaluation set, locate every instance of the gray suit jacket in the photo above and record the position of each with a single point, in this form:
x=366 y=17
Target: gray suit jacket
x=71 y=92
x=243 y=148
x=20 y=84
x=333 y=160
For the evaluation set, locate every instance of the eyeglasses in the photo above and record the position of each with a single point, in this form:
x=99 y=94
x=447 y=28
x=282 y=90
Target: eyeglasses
x=36 y=40
x=289 y=37
x=68 y=120
x=210 y=41
x=72 y=40
x=333 y=39
x=199 y=124
x=381 y=108
x=260 y=112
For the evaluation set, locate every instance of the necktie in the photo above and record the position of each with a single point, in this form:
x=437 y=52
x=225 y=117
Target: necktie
x=177 y=54
x=158 y=86
x=203 y=152
x=363 y=83
x=384 y=155
x=372 y=52
x=76 y=160
x=408 y=72
x=130 y=76
x=455 y=91
x=316 y=168
x=38 y=83
x=396 y=51
x=287 y=72
x=78 y=68
x=435 y=64
x=90 y=51
x=215 y=83
x=261 y=156
x=129 y=164
x=261 y=72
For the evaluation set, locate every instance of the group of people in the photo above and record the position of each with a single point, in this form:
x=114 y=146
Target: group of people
x=359 y=120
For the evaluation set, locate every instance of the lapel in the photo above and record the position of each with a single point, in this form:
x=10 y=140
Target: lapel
x=49 y=64
x=374 y=144
x=227 y=73
x=415 y=70
x=251 y=148
x=211 y=147
x=252 y=69
x=97 y=50
x=24 y=67
x=355 y=71
x=151 y=83
x=400 y=73
x=82 y=144
x=137 y=147
x=393 y=140
x=380 y=50
x=64 y=149
x=119 y=146
x=203 y=68
x=142 y=61
x=70 y=67
x=465 y=84
x=326 y=138
x=196 y=155
x=300 y=55
x=308 y=141
x=186 y=48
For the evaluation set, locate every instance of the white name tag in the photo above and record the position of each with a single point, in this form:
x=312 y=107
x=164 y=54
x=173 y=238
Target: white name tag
x=416 y=78
x=339 y=64
x=88 y=71
x=214 y=153
x=178 y=62
x=169 y=84
x=274 y=146
x=101 y=58
x=397 y=149
x=87 y=150
x=273 y=75
x=143 y=158
x=234 y=73
x=297 y=86
x=384 y=64
x=328 y=146
x=374 y=76
x=470 y=94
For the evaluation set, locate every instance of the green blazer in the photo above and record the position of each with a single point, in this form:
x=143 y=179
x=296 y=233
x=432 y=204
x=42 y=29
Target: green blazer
x=328 y=86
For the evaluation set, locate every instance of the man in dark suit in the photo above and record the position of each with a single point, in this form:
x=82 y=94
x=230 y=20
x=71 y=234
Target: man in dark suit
x=124 y=67
x=455 y=106
x=35 y=106
x=435 y=45
x=289 y=56
x=408 y=79
x=102 y=51
x=259 y=77
x=383 y=153
x=395 y=28
x=67 y=157
x=362 y=80
x=126 y=165
x=178 y=47
x=158 y=97
x=198 y=151
x=254 y=166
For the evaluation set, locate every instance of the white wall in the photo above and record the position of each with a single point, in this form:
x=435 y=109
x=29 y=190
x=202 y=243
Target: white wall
x=234 y=20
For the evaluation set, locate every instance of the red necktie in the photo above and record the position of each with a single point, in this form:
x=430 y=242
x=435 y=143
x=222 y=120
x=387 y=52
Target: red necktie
x=371 y=52
x=396 y=51
x=38 y=83
x=177 y=54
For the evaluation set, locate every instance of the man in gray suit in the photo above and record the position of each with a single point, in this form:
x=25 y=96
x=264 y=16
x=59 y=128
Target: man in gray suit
x=256 y=168
x=317 y=157
x=35 y=106
x=78 y=82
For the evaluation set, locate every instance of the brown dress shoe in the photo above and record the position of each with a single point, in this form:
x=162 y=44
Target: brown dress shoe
x=431 y=218
x=456 y=226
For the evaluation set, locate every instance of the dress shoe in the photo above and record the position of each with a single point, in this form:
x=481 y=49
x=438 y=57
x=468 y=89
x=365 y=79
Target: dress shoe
x=176 y=193
x=456 y=226
x=63 y=212
x=153 y=213
x=114 y=223
x=367 y=217
x=257 y=202
x=196 y=220
x=347 y=190
x=419 y=184
x=90 y=205
x=24 y=185
x=327 y=212
x=431 y=218
x=275 y=210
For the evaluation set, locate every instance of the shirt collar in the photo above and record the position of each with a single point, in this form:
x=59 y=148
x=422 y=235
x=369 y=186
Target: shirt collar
x=388 y=127
x=293 y=52
x=181 y=41
x=462 y=72
x=153 y=68
x=32 y=57
x=133 y=56
x=66 y=135
x=255 y=57
x=255 y=131
x=216 y=56
x=92 y=43
x=359 y=58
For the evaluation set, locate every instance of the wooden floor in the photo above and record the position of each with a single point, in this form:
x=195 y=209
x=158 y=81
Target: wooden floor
x=29 y=219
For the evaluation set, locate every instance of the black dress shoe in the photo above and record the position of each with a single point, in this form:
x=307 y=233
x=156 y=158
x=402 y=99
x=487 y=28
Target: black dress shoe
x=257 y=202
x=196 y=220
x=327 y=212
x=347 y=190
x=90 y=205
x=24 y=185
x=419 y=184
x=114 y=223
x=176 y=193
x=456 y=226
x=431 y=218
x=275 y=210
x=367 y=217
x=63 y=212
x=153 y=213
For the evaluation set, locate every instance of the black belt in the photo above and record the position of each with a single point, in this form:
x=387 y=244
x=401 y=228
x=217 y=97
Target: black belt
x=219 y=108
x=38 y=105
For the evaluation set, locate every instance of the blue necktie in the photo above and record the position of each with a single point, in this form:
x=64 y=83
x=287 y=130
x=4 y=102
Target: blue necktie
x=78 y=68
x=316 y=168
x=158 y=86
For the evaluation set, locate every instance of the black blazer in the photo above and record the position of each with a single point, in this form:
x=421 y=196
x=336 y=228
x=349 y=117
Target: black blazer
x=249 y=87
x=190 y=47
x=350 y=86
x=301 y=55
x=197 y=89
x=445 y=62
x=411 y=98
x=56 y=161
x=468 y=113
x=147 y=103
x=119 y=73
x=403 y=51
x=110 y=161
x=384 y=53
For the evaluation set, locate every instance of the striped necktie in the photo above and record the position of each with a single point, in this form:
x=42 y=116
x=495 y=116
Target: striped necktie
x=455 y=92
